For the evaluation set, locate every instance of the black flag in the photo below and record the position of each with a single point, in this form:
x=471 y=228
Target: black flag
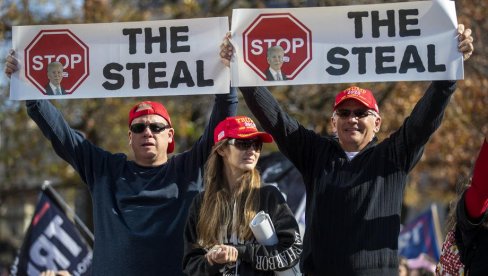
x=52 y=242
x=278 y=170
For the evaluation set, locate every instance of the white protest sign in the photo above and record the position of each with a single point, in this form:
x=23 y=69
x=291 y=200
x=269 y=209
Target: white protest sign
x=362 y=43
x=153 y=58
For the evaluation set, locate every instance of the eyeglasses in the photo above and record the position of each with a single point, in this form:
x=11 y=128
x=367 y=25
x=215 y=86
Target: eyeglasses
x=358 y=113
x=243 y=145
x=154 y=127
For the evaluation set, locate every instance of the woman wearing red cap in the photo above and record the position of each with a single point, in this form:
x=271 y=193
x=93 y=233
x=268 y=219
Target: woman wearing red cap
x=218 y=237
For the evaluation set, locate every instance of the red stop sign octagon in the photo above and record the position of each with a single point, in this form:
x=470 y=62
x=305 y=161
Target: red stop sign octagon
x=277 y=29
x=57 y=45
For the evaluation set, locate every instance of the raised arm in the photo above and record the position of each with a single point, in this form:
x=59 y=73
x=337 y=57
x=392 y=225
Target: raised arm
x=225 y=105
x=428 y=113
x=68 y=143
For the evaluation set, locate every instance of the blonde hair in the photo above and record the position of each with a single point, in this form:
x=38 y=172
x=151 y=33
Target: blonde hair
x=216 y=212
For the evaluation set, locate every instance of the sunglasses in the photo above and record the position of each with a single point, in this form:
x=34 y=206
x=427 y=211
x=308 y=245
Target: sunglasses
x=243 y=145
x=358 y=113
x=154 y=127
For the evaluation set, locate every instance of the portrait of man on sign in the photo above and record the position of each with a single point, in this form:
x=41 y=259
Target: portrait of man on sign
x=55 y=76
x=275 y=57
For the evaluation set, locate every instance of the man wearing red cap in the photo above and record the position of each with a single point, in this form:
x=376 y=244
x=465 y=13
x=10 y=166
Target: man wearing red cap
x=354 y=183
x=140 y=207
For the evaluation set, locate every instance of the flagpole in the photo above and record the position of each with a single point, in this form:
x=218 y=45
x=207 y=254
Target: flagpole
x=47 y=186
x=437 y=227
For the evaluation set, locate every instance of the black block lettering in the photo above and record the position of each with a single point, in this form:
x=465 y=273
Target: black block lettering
x=389 y=22
x=176 y=37
x=135 y=67
x=132 y=33
x=334 y=60
x=411 y=53
x=361 y=53
x=358 y=22
x=150 y=40
x=154 y=72
x=404 y=22
x=181 y=75
x=109 y=74
x=201 y=81
x=381 y=58
x=431 y=60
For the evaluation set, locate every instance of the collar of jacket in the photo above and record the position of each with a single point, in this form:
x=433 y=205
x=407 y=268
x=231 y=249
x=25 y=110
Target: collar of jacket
x=371 y=144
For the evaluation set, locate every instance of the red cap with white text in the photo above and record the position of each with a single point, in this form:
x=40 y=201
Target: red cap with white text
x=361 y=95
x=239 y=127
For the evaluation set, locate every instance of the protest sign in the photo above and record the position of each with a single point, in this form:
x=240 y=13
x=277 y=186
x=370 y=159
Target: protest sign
x=362 y=43
x=152 y=58
x=52 y=242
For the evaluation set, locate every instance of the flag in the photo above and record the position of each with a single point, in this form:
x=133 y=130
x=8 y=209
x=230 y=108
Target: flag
x=279 y=171
x=52 y=242
x=421 y=235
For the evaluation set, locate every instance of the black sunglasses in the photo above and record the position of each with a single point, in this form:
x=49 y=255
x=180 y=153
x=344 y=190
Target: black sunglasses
x=358 y=113
x=243 y=145
x=154 y=127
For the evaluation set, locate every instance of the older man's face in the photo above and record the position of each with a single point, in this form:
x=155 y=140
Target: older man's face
x=275 y=60
x=355 y=132
x=55 y=75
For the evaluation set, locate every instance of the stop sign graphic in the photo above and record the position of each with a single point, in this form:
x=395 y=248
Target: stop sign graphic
x=57 y=45
x=277 y=29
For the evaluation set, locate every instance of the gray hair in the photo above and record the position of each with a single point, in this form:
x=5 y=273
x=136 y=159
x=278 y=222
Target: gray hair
x=54 y=64
x=275 y=48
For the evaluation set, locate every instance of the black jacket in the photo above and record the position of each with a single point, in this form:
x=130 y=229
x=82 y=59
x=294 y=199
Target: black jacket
x=270 y=76
x=353 y=206
x=49 y=90
x=253 y=259
x=472 y=241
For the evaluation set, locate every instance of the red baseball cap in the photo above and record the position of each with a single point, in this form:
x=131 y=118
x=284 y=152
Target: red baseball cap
x=147 y=108
x=363 y=96
x=239 y=127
